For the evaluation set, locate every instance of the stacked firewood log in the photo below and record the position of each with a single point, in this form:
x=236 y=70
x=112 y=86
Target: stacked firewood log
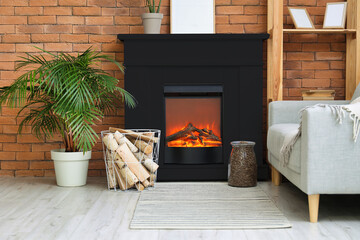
x=129 y=159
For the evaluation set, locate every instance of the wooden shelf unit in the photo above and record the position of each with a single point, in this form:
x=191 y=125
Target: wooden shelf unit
x=275 y=47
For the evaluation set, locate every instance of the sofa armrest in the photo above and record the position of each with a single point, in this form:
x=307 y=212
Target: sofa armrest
x=330 y=159
x=288 y=111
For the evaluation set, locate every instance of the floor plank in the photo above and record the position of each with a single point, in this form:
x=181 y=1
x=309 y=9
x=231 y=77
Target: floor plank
x=35 y=208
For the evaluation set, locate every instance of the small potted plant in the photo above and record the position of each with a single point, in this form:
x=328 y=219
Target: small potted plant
x=65 y=94
x=152 y=20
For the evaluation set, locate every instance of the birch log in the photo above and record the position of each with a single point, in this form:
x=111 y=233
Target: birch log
x=128 y=157
x=135 y=134
x=123 y=185
x=129 y=177
x=110 y=142
x=143 y=146
x=120 y=138
x=150 y=165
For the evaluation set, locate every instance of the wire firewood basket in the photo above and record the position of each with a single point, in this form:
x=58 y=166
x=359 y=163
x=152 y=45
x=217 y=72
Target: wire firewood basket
x=131 y=158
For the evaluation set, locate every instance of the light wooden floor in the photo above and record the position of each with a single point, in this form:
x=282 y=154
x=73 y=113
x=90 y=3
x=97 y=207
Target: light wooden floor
x=35 y=208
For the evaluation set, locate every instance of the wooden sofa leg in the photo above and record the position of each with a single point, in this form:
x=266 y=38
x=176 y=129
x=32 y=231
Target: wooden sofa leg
x=314 y=207
x=275 y=176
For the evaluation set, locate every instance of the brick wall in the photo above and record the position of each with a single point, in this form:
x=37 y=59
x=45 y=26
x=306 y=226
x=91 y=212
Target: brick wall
x=74 y=25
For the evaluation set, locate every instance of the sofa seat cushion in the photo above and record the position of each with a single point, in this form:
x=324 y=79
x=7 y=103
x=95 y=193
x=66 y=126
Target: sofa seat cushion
x=275 y=141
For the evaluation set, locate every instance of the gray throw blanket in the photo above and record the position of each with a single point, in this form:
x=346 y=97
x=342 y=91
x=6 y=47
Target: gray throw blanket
x=339 y=112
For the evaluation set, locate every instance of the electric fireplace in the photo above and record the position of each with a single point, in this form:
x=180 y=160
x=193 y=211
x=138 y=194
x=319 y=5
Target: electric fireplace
x=202 y=91
x=193 y=124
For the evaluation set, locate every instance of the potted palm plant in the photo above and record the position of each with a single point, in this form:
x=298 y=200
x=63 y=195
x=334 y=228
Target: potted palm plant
x=152 y=20
x=65 y=94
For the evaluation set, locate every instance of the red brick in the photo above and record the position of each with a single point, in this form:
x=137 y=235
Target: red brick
x=115 y=29
x=7 y=29
x=42 y=3
x=28 y=11
x=229 y=10
x=337 y=83
x=302 y=2
x=42 y=38
x=233 y=28
x=49 y=173
x=114 y=11
x=72 y=3
x=45 y=147
x=329 y=56
x=7 y=138
x=7 y=66
x=13 y=20
x=255 y=28
x=29 y=29
x=16 y=147
x=57 y=11
x=6 y=173
x=242 y=19
x=255 y=10
x=30 y=156
x=14 y=2
x=70 y=20
x=299 y=74
x=7 y=156
x=328 y=74
x=299 y=56
x=292 y=47
x=58 y=47
x=58 y=28
x=126 y=20
x=315 y=65
x=74 y=38
x=99 y=21
x=30 y=47
x=316 y=47
x=28 y=138
x=7 y=47
x=303 y=38
x=5 y=57
x=13 y=129
x=102 y=38
x=41 y=165
x=82 y=47
x=331 y=38
x=337 y=65
x=13 y=165
x=292 y=65
x=42 y=19
x=338 y=47
x=320 y=82
x=7 y=120
x=87 y=11
x=245 y=2
x=102 y=3
x=222 y=19
x=290 y=83
x=29 y=173
x=6 y=11
x=87 y=29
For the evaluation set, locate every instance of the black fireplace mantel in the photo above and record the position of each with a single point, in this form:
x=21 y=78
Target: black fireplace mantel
x=233 y=61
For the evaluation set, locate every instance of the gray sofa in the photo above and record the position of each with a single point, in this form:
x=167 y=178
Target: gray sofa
x=324 y=160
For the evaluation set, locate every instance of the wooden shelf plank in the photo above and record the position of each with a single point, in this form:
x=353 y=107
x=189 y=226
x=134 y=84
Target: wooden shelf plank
x=320 y=31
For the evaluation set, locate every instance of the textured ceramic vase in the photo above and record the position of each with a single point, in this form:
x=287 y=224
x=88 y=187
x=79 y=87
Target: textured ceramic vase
x=152 y=22
x=243 y=166
x=70 y=167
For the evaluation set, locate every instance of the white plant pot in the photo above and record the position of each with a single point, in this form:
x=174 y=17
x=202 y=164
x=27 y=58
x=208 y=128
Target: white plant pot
x=71 y=168
x=152 y=22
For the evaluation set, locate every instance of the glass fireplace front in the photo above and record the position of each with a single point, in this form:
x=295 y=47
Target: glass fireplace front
x=193 y=124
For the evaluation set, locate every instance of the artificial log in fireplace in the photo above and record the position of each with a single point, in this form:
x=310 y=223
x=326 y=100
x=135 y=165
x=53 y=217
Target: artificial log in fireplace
x=202 y=91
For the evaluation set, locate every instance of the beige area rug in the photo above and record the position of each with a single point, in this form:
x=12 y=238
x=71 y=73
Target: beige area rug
x=206 y=205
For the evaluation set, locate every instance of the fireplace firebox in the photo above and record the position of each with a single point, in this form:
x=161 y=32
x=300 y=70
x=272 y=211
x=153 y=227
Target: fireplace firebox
x=193 y=124
x=202 y=92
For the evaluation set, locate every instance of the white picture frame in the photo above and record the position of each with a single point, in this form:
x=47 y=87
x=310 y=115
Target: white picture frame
x=301 y=18
x=335 y=15
x=192 y=16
